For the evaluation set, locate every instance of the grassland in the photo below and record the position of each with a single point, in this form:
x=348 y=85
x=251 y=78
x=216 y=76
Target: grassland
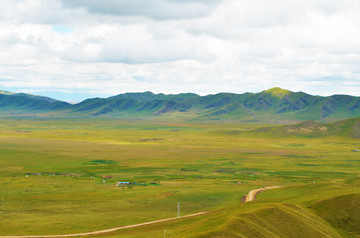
x=58 y=177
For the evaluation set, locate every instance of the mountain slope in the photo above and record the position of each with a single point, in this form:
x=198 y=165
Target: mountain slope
x=271 y=105
x=25 y=103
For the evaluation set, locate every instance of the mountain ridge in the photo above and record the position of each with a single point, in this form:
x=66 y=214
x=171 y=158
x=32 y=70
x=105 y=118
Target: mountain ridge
x=28 y=103
x=275 y=104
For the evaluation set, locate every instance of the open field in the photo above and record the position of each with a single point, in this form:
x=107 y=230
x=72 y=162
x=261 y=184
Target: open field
x=58 y=177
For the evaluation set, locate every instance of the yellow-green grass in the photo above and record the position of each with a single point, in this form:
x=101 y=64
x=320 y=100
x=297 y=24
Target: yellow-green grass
x=202 y=166
x=267 y=217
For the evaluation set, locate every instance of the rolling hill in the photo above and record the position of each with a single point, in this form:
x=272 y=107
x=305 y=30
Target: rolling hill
x=271 y=105
x=347 y=128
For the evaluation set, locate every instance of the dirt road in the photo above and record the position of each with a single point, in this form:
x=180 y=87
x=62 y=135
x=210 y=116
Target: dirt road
x=248 y=198
x=252 y=194
x=106 y=230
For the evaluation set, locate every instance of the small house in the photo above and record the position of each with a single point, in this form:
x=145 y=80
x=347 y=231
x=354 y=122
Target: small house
x=122 y=184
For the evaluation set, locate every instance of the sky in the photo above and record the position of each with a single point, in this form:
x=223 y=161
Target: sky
x=76 y=49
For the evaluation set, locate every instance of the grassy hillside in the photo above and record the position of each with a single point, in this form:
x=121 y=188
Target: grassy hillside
x=344 y=214
x=287 y=212
x=347 y=128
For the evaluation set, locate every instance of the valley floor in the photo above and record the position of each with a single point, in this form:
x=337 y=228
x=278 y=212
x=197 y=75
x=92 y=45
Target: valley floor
x=58 y=177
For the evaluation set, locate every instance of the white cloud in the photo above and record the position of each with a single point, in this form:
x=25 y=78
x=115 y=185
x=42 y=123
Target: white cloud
x=159 y=9
x=131 y=44
x=175 y=46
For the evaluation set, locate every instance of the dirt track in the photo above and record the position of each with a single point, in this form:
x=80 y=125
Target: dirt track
x=248 y=198
x=252 y=194
x=106 y=230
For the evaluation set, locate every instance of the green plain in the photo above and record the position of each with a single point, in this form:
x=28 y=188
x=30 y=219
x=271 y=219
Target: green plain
x=59 y=176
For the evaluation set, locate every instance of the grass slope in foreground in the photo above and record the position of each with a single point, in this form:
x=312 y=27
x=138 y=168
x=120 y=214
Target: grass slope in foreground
x=52 y=177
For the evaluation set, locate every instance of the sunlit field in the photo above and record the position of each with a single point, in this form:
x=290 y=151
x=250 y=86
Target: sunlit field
x=59 y=177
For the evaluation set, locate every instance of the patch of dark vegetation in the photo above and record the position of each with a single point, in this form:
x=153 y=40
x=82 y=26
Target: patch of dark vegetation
x=174 y=177
x=228 y=132
x=224 y=171
x=237 y=172
x=248 y=172
x=252 y=170
x=307 y=164
x=353 y=160
x=38 y=174
x=353 y=180
x=151 y=178
x=234 y=182
x=189 y=169
x=336 y=143
x=48 y=173
x=194 y=176
x=69 y=174
x=253 y=153
x=295 y=145
x=349 y=165
x=153 y=139
x=217 y=159
x=313 y=174
x=299 y=156
x=101 y=161
x=53 y=174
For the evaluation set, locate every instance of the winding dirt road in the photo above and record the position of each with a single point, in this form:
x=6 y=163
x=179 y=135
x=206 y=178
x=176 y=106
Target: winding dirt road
x=252 y=194
x=248 y=198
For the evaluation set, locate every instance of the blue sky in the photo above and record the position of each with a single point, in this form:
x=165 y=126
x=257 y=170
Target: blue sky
x=62 y=29
x=75 y=49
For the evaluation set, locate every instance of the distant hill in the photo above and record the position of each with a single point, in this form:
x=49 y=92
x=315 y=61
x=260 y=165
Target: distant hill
x=22 y=103
x=347 y=128
x=271 y=105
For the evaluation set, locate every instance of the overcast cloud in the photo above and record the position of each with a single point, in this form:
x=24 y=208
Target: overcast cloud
x=64 y=48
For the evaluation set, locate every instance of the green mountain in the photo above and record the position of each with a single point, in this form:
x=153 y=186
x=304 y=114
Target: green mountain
x=275 y=104
x=22 y=103
x=271 y=105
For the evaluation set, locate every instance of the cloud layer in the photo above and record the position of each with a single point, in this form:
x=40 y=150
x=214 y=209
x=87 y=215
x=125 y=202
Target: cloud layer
x=172 y=46
x=159 y=10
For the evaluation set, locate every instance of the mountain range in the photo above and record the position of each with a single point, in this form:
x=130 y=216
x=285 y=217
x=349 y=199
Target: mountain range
x=271 y=105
